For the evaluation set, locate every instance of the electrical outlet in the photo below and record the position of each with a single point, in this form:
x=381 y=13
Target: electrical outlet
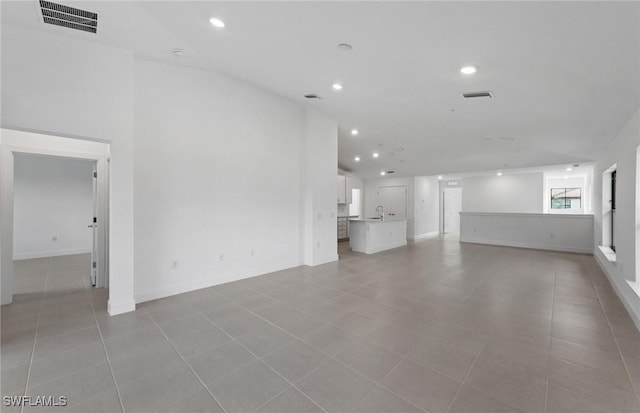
x=175 y=264
x=54 y=238
x=318 y=244
x=552 y=235
x=475 y=230
x=221 y=257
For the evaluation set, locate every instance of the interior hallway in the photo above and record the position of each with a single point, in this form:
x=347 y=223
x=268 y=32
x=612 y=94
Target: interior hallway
x=436 y=326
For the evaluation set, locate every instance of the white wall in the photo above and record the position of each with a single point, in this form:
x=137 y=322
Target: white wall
x=219 y=185
x=53 y=198
x=507 y=193
x=571 y=233
x=623 y=152
x=371 y=198
x=426 y=196
x=70 y=87
x=318 y=168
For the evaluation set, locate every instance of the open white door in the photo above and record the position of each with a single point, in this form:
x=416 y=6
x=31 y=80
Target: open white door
x=452 y=205
x=94 y=228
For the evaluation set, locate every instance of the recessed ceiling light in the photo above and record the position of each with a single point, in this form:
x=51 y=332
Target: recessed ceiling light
x=569 y=169
x=383 y=173
x=566 y=177
x=337 y=86
x=357 y=159
x=346 y=47
x=439 y=176
x=499 y=174
x=469 y=70
x=216 y=22
x=178 y=52
x=354 y=132
x=375 y=154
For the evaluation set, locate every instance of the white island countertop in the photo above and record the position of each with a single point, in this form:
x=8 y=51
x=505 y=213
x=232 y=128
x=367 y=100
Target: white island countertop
x=370 y=235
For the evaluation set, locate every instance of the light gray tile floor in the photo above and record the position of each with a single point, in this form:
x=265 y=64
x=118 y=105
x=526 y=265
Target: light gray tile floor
x=436 y=326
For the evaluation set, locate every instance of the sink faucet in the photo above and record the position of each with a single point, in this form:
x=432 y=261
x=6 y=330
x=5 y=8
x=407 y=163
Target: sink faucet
x=380 y=211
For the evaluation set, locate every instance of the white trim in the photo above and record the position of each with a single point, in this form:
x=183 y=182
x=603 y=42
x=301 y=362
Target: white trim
x=628 y=306
x=120 y=307
x=608 y=253
x=561 y=248
x=635 y=286
x=386 y=247
x=44 y=254
x=208 y=282
x=527 y=214
x=54 y=152
x=423 y=236
x=321 y=261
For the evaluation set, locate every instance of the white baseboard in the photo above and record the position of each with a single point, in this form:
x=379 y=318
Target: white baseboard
x=423 y=236
x=324 y=260
x=561 y=248
x=121 y=307
x=387 y=247
x=208 y=282
x=602 y=263
x=44 y=254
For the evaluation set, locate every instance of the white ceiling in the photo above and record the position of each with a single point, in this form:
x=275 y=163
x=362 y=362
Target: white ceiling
x=565 y=75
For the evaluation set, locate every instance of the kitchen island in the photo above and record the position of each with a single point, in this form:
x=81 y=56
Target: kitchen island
x=371 y=235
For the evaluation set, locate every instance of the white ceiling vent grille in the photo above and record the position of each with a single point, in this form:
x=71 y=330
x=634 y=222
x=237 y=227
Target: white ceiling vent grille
x=70 y=17
x=474 y=95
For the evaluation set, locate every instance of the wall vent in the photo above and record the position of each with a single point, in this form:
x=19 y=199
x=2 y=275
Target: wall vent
x=477 y=95
x=70 y=17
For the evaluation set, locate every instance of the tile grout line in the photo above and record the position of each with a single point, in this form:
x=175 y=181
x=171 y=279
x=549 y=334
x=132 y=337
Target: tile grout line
x=402 y=360
x=331 y=357
x=615 y=340
x=464 y=379
x=291 y=384
x=184 y=360
x=553 y=306
x=106 y=353
x=35 y=334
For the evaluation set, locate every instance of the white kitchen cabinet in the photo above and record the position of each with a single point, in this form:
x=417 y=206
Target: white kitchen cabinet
x=344 y=189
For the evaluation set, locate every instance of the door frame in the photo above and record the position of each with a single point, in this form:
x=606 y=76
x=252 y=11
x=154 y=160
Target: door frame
x=443 y=210
x=7 y=154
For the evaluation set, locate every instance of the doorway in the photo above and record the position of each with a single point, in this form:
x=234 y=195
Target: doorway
x=55 y=203
x=16 y=146
x=451 y=207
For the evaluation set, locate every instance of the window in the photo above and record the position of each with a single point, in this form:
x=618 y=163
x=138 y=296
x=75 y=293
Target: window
x=613 y=209
x=566 y=198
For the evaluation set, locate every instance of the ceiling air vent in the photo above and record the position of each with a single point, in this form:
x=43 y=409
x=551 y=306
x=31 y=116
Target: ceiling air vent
x=477 y=95
x=70 y=17
x=312 y=96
